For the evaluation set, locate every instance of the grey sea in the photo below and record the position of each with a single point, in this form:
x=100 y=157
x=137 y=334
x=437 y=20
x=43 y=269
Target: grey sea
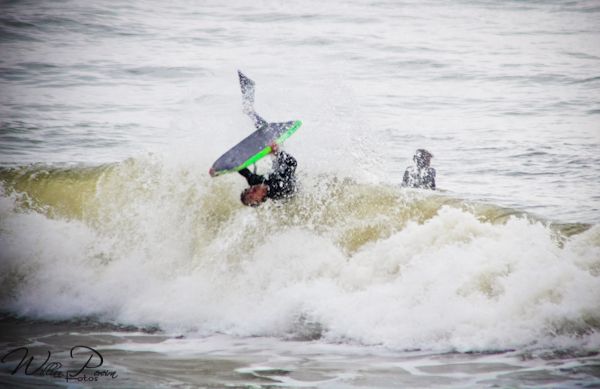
x=124 y=264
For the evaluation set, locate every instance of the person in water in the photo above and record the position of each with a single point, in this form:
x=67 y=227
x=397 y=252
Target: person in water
x=420 y=175
x=280 y=184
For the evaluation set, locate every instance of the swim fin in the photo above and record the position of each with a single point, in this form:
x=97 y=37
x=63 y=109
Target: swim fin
x=247 y=86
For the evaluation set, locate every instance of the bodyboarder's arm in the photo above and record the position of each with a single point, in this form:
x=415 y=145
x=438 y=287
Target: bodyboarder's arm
x=253 y=179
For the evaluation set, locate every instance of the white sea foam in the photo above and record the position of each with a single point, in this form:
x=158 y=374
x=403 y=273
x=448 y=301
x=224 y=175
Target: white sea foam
x=452 y=280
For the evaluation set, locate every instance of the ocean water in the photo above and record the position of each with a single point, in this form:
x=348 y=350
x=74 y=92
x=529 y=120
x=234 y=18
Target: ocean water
x=114 y=236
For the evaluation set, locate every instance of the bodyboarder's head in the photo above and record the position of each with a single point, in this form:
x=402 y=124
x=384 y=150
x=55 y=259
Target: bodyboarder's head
x=422 y=158
x=254 y=195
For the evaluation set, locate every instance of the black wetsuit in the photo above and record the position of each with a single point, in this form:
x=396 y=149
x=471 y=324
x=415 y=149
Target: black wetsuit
x=281 y=182
x=419 y=177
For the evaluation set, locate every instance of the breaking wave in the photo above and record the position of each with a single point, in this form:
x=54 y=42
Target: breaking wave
x=148 y=243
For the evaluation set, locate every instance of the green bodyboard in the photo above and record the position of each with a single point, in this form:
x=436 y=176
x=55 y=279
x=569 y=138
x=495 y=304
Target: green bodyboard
x=254 y=147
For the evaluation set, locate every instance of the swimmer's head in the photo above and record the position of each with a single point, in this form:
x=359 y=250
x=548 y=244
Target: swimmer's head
x=422 y=158
x=254 y=195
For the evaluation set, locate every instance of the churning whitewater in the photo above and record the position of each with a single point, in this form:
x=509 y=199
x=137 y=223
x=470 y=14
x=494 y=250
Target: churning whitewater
x=156 y=244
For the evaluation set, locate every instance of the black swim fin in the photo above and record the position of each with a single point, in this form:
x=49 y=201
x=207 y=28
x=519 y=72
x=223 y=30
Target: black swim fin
x=247 y=86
